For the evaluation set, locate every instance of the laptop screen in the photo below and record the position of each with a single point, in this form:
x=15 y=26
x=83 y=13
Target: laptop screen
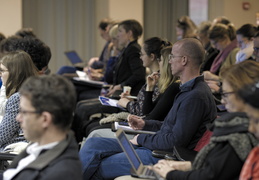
x=73 y=57
x=128 y=149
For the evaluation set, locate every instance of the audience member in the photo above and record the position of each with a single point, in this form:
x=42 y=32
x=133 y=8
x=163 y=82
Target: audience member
x=210 y=52
x=245 y=35
x=193 y=108
x=16 y=67
x=219 y=36
x=95 y=62
x=250 y=96
x=150 y=53
x=46 y=110
x=86 y=91
x=40 y=53
x=168 y=89
x=185 y=28
x=231 y=141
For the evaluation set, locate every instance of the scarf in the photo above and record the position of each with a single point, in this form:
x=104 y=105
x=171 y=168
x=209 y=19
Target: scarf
x=231 y=128
x=222 y=56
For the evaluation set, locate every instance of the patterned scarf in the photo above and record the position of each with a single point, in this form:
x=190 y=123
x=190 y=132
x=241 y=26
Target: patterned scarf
x=231 y=128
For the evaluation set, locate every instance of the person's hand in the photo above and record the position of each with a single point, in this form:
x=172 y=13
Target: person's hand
x=165 y=166
x=95 y=74
x=152 y=81
x=162 y=168
x=136 y=122
x=92 y=60
x=210 y=76
x=214 y=86
x=134 y=140
x=113 y=89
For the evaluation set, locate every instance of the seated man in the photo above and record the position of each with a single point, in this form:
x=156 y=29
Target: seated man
x=45 y=115
x=184 y=125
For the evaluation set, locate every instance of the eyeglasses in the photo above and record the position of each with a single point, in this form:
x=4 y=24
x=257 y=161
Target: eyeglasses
x=3 y=70
x=171 y=56
x=226 y=94
x=28 y=112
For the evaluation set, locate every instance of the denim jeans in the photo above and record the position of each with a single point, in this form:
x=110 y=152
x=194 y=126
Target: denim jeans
x=103 y=158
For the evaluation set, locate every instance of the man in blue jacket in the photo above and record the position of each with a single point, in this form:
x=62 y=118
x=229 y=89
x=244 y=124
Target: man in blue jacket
x=194 y=107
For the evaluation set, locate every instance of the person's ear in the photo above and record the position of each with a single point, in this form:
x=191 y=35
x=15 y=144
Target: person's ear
x=152 y=56
x=46 y=119
x=184 y=60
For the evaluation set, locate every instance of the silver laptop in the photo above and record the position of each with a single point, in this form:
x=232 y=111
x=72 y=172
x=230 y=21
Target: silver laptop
x=138 y=169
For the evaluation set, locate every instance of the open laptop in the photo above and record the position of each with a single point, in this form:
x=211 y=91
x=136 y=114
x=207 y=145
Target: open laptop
x=138 y=169
x=73 y=57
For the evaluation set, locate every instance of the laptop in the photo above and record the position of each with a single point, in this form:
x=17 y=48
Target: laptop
x=138 y=169
x=73 y=57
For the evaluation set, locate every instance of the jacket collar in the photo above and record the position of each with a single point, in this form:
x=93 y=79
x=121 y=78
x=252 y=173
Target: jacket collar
x=189 y=85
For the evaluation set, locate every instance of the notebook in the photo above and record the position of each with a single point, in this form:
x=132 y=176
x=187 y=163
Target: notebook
x=73 y=57
x=138 y=169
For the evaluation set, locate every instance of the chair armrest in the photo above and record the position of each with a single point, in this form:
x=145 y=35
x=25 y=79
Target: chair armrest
x=7 y=156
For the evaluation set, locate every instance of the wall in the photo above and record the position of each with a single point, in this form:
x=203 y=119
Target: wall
x=10 y=16
x=234 y=11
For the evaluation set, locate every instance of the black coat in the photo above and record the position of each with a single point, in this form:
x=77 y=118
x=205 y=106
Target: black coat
x=129 y=70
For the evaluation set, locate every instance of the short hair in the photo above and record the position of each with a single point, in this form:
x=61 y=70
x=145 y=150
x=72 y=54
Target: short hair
x=154 y=45
x=204 y=27
x=222 y=31
x=54 y=94
x=25 y=32
x=257 y=33
x=166 y=76
x=114 y=31
x=194 y=49
x=132 y=25
x=104 y=23
x=20 y=67
x=241 y=74
x=40 y=53
x=247 y=30
x=223 y=20
x=187 y=25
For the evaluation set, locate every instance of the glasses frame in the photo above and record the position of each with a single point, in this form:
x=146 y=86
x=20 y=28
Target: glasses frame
x=226 y=94
x=171 y=56
x=23 y=112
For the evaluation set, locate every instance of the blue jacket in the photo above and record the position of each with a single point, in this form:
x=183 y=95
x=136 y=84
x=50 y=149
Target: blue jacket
x=185 y=123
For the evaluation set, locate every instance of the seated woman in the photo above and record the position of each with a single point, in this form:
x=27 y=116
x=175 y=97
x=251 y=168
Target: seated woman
x=150 y=54
x=245 y=36
x=167 y=86
x=250 y=95
x=231 y=141
x=128 y=71
x=15 y=68
x=220 y=37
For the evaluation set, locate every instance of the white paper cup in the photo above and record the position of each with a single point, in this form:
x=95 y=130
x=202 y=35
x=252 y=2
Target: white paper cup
x=126 y=89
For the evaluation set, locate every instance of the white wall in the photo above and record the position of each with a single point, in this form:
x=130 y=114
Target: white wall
x=10 y=16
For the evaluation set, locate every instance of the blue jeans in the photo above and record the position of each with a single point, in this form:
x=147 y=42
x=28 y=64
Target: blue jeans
x=103 y=158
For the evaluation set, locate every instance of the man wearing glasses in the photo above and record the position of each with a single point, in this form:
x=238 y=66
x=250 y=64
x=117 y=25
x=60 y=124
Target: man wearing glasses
x=46 y=111
x=184 y=125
